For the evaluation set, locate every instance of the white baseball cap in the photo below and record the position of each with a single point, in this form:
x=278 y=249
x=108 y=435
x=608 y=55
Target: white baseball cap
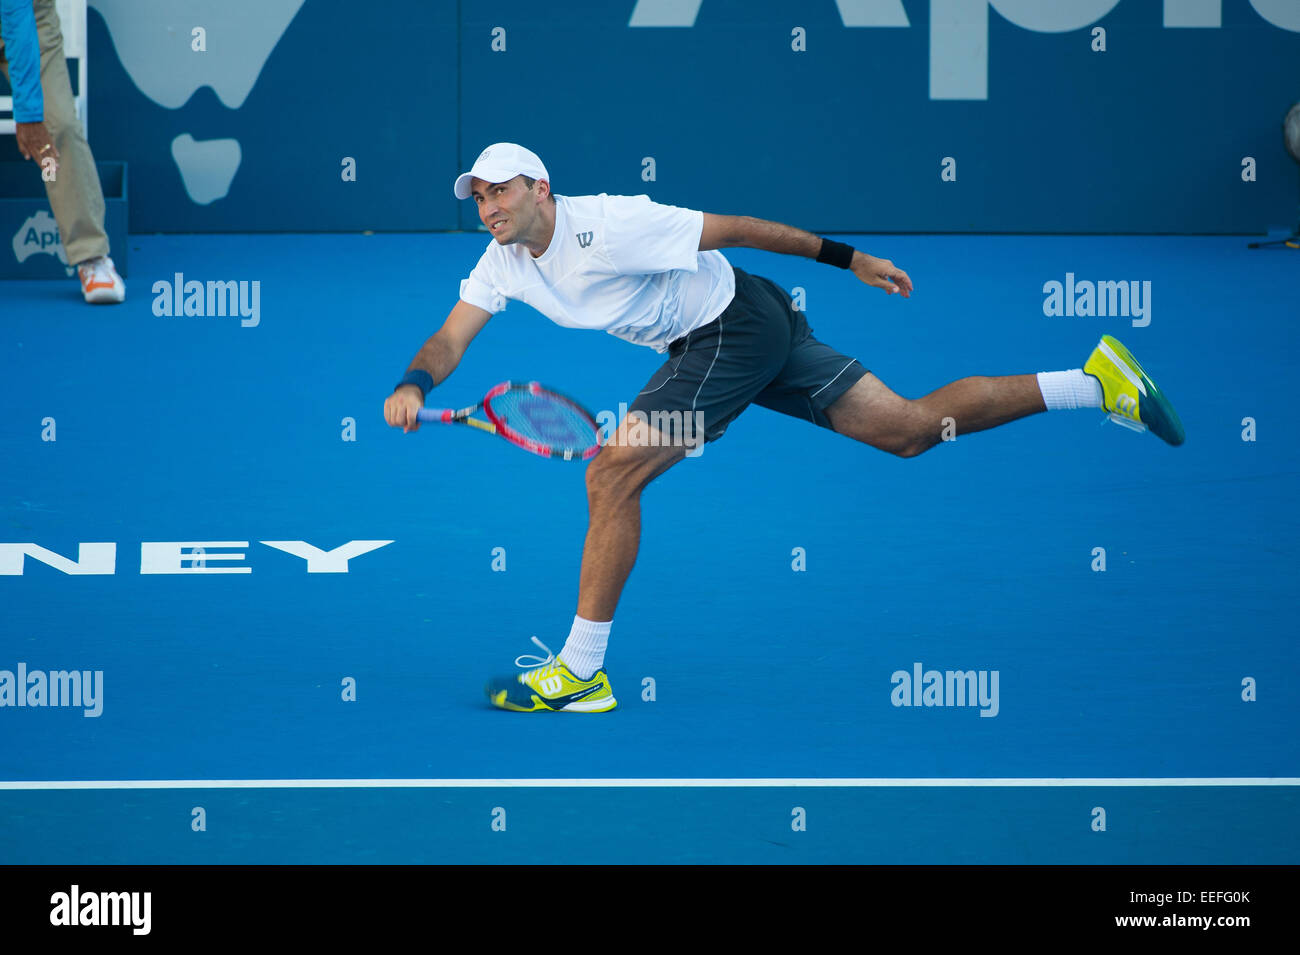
x=501 y=162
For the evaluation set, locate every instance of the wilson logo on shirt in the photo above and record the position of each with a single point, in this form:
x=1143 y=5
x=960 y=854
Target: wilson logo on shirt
x=584 y=238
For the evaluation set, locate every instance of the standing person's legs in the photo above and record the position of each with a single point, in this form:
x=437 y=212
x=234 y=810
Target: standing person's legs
x=76 y=198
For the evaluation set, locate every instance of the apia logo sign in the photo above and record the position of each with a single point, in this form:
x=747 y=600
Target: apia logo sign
x=959 y=29
x=181 y=557
x=39 y=234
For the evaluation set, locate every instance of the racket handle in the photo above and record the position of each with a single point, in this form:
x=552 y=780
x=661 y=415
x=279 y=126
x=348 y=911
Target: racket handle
x=443 y=415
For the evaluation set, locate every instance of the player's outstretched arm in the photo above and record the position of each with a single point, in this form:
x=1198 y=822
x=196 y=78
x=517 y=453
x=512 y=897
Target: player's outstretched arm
x=438 y=359
x=722 y=232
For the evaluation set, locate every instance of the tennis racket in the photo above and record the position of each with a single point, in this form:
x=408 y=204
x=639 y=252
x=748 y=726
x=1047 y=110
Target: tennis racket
x=529 y=416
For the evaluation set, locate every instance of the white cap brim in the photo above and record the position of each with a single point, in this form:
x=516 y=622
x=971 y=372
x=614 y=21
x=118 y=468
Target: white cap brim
x=464 y=182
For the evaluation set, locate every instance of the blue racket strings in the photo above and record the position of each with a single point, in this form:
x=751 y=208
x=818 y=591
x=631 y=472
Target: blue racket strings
x=546 y=419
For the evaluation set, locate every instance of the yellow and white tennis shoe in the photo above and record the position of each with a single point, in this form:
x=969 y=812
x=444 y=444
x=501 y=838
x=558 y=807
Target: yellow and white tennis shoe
x=1129 y=395
x=549 y=685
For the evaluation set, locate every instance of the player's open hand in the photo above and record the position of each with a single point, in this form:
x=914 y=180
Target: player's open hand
x=881 y=273
x=402 y=406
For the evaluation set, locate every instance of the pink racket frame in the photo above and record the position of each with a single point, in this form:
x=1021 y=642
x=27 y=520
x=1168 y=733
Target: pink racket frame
x=450 y=416
x=514 y=437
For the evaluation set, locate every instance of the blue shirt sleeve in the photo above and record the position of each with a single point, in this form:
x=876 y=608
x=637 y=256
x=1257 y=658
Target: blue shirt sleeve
x=23 y=51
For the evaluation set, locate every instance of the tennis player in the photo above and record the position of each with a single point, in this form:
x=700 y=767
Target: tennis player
x=651 y=274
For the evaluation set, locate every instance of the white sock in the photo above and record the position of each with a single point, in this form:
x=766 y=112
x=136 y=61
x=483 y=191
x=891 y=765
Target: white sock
x=1063 y=390
x=584 y=651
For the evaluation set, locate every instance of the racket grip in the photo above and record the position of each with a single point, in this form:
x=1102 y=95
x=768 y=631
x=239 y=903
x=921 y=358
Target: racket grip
x=443 y=415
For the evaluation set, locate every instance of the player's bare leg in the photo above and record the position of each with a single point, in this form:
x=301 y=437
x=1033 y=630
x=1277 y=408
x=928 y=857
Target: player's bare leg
x=615 y=479
x=575 y=680
x=870 y=412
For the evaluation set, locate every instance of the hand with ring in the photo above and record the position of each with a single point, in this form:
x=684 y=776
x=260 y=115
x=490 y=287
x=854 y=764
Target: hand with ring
x=35 y=142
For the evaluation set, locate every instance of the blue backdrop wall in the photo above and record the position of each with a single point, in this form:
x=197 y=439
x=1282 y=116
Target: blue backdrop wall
x=857 y=115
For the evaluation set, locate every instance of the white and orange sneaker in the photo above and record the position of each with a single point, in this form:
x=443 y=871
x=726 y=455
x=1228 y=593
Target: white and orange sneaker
x=100 y=283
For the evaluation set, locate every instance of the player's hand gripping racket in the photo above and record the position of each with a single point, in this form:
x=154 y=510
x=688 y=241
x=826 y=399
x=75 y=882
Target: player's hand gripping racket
x=531 y=417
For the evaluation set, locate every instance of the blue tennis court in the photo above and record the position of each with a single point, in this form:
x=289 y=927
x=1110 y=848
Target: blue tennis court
x=785 y=576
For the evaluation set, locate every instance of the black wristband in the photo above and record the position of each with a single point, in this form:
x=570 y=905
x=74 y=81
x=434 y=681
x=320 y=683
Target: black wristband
x=421 y=379
x=835 y=253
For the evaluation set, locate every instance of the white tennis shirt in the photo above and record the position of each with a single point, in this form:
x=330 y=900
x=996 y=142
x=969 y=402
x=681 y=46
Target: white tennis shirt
x=620 y=264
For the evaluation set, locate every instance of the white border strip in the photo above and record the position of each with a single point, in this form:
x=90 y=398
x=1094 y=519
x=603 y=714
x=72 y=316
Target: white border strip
x=620 y=783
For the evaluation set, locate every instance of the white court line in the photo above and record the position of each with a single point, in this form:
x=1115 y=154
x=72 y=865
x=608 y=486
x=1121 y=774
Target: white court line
x=619 y=783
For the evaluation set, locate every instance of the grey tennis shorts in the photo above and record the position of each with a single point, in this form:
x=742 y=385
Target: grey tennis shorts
x=759 y=350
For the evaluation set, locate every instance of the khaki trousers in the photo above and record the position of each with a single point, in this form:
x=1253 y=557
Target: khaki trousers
x=76 y=198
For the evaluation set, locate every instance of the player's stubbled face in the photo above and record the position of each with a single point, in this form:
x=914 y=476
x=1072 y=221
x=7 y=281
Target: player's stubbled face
x=506 y=208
